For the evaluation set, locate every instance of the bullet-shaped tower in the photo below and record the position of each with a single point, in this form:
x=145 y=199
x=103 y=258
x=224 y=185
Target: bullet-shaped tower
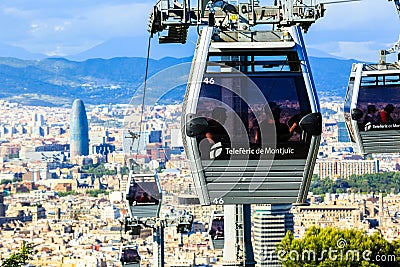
x=79 y=130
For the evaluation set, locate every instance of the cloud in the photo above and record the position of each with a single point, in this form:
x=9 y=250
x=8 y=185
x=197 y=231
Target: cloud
x=356 y=50
x=362 y=51
x=355 y=30
x=70 y=26
x=370 y=14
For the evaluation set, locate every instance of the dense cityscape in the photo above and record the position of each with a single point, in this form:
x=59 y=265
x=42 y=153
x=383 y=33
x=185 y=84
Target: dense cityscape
x=71 y=206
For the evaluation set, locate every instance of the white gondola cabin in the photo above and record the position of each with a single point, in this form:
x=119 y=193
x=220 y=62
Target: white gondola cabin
x=251 y=117
x=143 y=195
x=129 y=256
x=372 y=107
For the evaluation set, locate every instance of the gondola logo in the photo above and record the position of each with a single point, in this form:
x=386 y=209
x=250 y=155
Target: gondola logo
x=215 y=150
x=367 y=126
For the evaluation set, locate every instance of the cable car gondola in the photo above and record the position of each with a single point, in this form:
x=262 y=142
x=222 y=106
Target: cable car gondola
x=129 y=256
x=251 y=117
x=185 y=224
x=372 y=107
x=143 y=195
x=216 y=230
x=132 y=226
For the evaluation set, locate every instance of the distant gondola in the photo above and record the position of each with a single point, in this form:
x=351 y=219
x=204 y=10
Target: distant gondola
x=129 y=256
x=143 y=195
x=372 y=107
x=216 y=230
x=185 y=224
x=251 y=117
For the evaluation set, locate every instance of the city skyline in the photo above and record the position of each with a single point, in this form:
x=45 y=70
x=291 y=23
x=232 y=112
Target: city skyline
x=80 y=219
x=72 y=222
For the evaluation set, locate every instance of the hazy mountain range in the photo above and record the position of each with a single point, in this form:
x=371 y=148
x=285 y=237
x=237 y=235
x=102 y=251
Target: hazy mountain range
x=57 y=81
x=128 y=47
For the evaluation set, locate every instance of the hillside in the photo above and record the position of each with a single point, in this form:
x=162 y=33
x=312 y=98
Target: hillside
x=57 y=81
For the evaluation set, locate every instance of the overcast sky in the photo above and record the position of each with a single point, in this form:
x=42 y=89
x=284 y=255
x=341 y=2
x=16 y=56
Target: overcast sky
x=66 y=27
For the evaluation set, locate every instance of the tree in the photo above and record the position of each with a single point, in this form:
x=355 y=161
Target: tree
x=96 y=192
x=388 y=182
x=98 y=170
x=124 y=170
x=21 y=257
x=68 y=193
x=332 y=247
x=6 y=181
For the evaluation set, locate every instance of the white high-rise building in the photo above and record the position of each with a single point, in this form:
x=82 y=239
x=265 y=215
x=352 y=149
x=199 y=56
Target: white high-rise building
x=271 y=222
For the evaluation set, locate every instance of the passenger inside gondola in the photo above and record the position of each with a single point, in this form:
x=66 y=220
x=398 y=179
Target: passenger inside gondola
x=371 y=114
x=131 y=195
x=216 y=133
x=283 y=131
x=216 y=130
x=138 y=195
x=217 y=233
x=217 y=228
x=386 y=114
x=144 y=198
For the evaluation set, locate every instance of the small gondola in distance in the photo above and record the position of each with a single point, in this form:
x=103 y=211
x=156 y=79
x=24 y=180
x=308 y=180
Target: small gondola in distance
x=216 y=230
x=372 y=107
x=129 y=256
x=143 y=195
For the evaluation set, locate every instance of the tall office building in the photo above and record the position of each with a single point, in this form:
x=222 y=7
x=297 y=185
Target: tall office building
x=79 y=130
x=343 y=135
x=271 y=222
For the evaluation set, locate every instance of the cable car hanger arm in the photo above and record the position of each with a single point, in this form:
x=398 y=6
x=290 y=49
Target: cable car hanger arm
x=176 y=17
x=396 y=46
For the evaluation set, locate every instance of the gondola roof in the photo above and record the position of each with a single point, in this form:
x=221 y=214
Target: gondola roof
x=381 y=68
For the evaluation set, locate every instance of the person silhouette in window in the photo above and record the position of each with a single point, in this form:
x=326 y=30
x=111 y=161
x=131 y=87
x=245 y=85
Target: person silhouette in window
x=371 y=116
x=144 y=198
x=283 y=131
x=385 y=115
x=131 y=195
x=254 y=131
x=216 y=130
x=216 y=133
